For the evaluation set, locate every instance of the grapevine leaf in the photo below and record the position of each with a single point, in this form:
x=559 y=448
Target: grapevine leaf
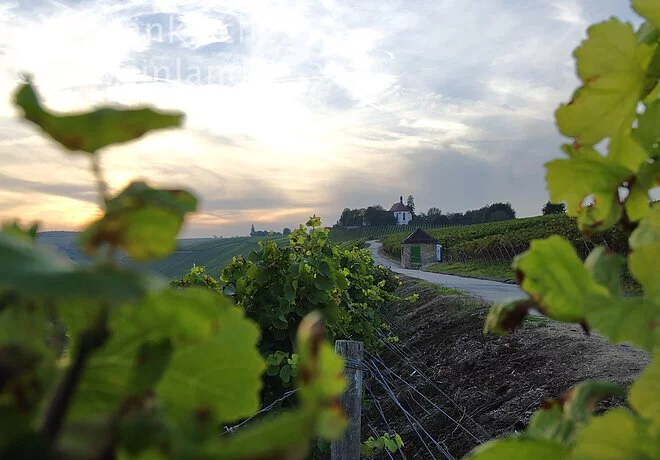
x=559 y=420
x=624 y=319
x=141 y=220
x=612 y=68
x=649 y=9
x=505 y=317
x=638 y=201
x=580 y=402
x=518 y=448
x=626 y=151
x=617 y=434
x=391 y=445
x=605 y=212
x=285 y=374
x=214 y=367
x=91 y=131
x=548 y=423
x=574 y=179
x=645 y=245
x=152 y=361
x=320 y=376
x=555 y=278
x=38 y=272
x=647 y=132
x=285 y=437
x=644 y=395
x=647 y=33
x=606 y=268
x=14 y=228
x=323 y=283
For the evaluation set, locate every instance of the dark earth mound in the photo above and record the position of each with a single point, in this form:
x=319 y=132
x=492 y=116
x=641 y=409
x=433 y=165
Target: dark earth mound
x=488 y=385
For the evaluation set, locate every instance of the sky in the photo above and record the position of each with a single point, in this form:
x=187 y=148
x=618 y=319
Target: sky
x=295 y=107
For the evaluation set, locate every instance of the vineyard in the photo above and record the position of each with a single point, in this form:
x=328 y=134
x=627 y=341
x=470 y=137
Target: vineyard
x=501 y=241
x=211 y=253
x=373 y=232
x=105 y=361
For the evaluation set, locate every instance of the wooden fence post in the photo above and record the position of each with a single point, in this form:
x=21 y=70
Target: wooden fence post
x=348 y=447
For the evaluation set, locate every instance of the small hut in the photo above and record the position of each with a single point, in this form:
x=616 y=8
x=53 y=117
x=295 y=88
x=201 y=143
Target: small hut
x=418 y=249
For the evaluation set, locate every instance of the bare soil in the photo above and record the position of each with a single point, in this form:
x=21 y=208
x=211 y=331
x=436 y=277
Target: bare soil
x=490 y=385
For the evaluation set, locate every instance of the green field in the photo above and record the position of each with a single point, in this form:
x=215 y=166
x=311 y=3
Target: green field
x=214 y=254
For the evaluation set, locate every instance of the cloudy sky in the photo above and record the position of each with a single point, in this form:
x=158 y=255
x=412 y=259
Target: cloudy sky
x=296 y=107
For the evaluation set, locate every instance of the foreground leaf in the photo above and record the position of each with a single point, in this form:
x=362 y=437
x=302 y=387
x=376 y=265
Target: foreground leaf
x=574 y=179
x=519 y=449
x=214 y=365
x=615 y=435
x=643 y=260
x=650 y=9
x=91 y=131
x=141 y=220
x=559 y=420
x=612 y=68
x=555 y=278
x=644 y=395
x=38 y=272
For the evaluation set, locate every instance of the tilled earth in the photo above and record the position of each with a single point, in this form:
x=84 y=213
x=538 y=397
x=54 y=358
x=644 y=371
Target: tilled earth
x=488 y=385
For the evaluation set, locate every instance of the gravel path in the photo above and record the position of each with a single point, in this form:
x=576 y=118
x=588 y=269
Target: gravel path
x=489 y=290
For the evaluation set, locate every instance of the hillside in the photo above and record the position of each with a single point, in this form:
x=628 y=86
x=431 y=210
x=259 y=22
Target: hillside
x=212 y=253
x=502 y=240
x=464 y=387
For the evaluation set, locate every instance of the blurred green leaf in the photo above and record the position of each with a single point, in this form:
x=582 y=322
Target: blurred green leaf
x=649 y=9
x=91 y=131
x=606 y=267
x=556 y=279
x=519 y=449
x=141 y=220
x=214 y=366
x=617 y=434
x=647 y=132
x=612 y=67
x=574 y=179
x=644 y=395
x=38 y=272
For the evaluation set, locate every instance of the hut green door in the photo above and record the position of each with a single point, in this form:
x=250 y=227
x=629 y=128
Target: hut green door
x=415 y=255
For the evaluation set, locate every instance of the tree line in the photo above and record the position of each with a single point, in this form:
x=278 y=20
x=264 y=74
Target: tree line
x=377 y=215
x=253 y=232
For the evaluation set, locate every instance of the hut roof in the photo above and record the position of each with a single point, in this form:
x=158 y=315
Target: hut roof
x=419 y=236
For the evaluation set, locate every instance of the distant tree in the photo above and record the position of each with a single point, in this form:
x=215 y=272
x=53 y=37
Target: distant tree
x=377 y=215
x=351 y=218
x=286 y=231
x=433 y=212
x=552 y=208
x=411 y=203
x=499 y=211
x=252 y=230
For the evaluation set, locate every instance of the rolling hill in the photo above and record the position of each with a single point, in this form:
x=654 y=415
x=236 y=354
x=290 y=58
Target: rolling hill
x=211 y=253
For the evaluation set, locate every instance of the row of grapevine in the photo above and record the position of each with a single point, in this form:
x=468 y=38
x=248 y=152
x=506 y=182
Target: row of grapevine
x=341 y=235
x=501 y=241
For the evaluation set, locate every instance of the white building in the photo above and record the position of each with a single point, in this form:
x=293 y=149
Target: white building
x=401 y=212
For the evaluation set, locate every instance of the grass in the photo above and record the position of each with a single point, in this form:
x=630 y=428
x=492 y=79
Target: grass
x=441 y=290
x=500 y=271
